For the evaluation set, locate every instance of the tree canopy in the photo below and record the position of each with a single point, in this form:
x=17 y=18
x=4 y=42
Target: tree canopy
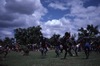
x=90 y=31
x=32 y=35
x=28 y=36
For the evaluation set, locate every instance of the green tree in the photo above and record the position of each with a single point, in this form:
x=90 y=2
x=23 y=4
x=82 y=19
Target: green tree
x=7 y=40
x=28 y=36
x=20 y=36
x=90 y=31
x=52 y=39
x=1 y=42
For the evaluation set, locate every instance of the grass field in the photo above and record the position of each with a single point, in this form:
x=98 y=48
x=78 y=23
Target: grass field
x=35 y=59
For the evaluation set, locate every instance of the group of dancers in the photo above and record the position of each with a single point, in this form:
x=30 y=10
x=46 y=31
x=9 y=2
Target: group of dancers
x=67 y=44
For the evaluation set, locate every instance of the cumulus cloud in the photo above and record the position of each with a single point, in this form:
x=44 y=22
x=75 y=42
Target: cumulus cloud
x=59 y=26
x=58 y=5
x=25 y=13
x=20 y=13
x=84 y=15
x=20 y=6
x=80 y=16
x=5 y=33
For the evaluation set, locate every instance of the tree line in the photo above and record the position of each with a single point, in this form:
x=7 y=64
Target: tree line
x=32 y=35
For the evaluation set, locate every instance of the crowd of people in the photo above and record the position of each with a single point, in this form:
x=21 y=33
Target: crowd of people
x=68 y=44
x=65 y=45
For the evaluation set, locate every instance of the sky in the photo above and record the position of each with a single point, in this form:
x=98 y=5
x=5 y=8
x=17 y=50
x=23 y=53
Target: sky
x=54 y=16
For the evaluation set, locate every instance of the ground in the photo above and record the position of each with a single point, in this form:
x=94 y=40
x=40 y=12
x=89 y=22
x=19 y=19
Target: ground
x=35 y=59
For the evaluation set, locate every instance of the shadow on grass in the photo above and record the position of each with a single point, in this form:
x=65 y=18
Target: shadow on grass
x=3 y=65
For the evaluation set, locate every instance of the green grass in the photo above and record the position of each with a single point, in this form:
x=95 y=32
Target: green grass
x=35 y=59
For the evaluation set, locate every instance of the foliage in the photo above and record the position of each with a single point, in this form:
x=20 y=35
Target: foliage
x=28 y=36
x=90 y=31
x=52 y=39
x=1 y=42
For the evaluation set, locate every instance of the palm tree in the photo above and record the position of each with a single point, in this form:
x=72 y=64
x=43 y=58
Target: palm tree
x=90 y=31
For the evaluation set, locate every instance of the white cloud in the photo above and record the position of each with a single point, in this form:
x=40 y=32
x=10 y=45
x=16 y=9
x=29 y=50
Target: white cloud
x=22 y=13
x=54 y=22
x=59 y=26
x=40 y=11
x=58 y=5
x=6 y=33
x=82 y=17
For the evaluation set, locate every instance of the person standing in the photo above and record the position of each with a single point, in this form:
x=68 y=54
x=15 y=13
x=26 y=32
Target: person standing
x=57 y=46
x=66 y=44
x=87 y=47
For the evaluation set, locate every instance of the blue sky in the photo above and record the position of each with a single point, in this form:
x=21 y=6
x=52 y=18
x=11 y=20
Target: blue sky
x=54 y=16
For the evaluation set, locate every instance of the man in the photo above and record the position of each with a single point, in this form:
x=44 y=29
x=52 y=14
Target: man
x=43 y=46
x=87 y=47
x=67 y=44
x=57 y=46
